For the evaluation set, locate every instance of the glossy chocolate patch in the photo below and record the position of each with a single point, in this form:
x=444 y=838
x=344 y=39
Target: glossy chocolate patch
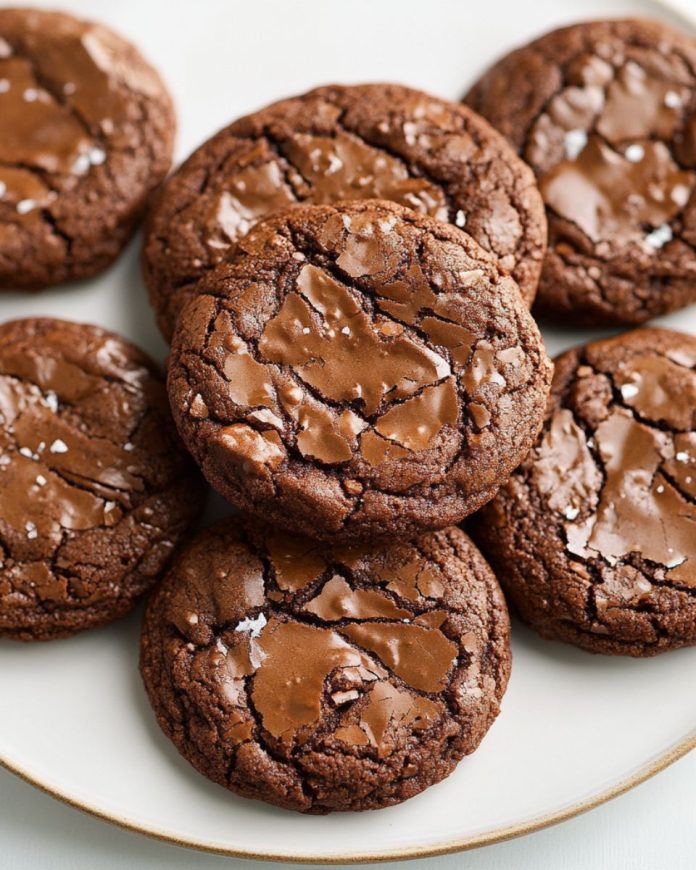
x=323 y=333
x=344 y=167
x=61 y=95
x=87 y=450
x=291 y=663
x=605 y=155
x=627 y=487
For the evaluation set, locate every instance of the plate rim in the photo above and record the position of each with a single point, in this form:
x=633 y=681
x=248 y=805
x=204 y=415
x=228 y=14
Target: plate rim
x=645 y=771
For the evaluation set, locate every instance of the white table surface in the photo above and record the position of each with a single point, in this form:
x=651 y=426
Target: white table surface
x=652 y=827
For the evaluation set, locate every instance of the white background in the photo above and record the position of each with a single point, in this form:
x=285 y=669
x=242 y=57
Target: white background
x=653 y=827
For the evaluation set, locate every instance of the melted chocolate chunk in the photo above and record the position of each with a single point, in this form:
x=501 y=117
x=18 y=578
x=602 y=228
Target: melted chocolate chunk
x=301 y=675
x=343 y=143
x=605 y=114
x=86 y=134
x=356 y=370
x=594 y=537
x=95 y=488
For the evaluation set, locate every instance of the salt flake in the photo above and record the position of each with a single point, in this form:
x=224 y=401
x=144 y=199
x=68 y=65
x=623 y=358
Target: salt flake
x=575 y=141
x=634 y=153
x=254 y=627
x=24 y=206
x=660 y=236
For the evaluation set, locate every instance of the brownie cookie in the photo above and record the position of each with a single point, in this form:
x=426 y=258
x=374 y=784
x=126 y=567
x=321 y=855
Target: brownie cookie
x=322 y=679
x=358 y=370
x=605 y=113
x=594 y=536
x=95 y=488
x=86 y=134
x=360 y=142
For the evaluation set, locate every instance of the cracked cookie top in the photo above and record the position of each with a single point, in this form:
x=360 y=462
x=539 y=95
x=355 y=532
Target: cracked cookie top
x=358 y=370
x=86 y=133
x=594 y=535
x=320 y=678
x=95 y=488
x=333 y=143
x=605 y=114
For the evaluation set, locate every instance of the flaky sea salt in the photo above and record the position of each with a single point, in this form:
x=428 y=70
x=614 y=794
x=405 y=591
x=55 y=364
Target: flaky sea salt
x=254 y=627
x=575 y=141
x=24 y=206
x=660 y=236
x=634 y=153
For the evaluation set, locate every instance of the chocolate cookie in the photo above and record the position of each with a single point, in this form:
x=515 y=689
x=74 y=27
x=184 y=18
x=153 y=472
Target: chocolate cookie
x=594 y=536
x=95 y=488
x=86 y=134
x=322 y=679
x=360 y=142
x=605 y=113
x=358 y=370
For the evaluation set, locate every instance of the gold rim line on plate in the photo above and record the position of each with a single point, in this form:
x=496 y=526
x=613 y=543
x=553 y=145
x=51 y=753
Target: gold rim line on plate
x=488 y=838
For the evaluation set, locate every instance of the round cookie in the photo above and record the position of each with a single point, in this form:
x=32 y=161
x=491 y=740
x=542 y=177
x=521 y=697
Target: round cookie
x=322 y=679
x=360 y=142
x=358 y=370
x=593 y=536
x=605 y=113
x=95 y=488
x=86 y=135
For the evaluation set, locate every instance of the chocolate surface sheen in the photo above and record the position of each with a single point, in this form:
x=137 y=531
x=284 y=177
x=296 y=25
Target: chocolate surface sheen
x=86 y=134
x=361 y=142
x=594 y=536
x=95 y=488
x=322 y=679
x=605 y=114
x=358 y=370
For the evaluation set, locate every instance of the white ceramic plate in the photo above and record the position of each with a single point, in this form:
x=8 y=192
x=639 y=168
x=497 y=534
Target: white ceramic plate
x=574 y=730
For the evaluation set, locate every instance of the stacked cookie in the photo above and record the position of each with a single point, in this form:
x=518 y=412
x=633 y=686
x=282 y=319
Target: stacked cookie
x=346 y=279
x=592 y=537
x=360 y=376
x=96 y=489
x=322 y=677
